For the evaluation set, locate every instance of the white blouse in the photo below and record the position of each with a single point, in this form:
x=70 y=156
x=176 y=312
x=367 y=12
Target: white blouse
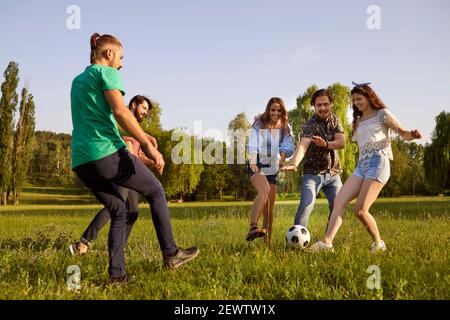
x=373 y=135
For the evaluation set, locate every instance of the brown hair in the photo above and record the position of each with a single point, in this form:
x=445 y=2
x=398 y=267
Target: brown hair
x=101 y=43
x=321 y=93
x=374 y=100
x=138 y=99
x=264 y=119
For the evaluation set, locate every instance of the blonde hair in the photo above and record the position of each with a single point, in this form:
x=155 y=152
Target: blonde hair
x=101 y=43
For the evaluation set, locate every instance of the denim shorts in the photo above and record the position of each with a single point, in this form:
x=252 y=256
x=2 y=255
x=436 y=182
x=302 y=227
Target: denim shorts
x=271 y=179
x=375 y=167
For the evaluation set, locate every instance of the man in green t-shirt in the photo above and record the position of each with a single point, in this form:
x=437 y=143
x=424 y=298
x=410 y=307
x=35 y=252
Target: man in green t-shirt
x=100 y=158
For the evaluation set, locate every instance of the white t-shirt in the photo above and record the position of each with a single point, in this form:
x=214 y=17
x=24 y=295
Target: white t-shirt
x=373 y=135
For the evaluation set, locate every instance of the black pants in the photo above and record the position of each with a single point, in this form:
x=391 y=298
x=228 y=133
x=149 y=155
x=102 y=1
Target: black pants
x=103 y=216
x=103 y=177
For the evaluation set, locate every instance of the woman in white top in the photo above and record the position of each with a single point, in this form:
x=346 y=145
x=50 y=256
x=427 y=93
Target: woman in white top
x=372 y=125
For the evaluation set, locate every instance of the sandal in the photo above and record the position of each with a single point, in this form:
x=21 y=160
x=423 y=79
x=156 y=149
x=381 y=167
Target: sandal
x=254 y=233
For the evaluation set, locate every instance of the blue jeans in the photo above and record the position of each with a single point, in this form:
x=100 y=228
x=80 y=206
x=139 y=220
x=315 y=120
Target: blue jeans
x=311 y=186
x=103 y=217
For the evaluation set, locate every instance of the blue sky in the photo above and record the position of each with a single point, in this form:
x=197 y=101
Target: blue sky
x=210 y=60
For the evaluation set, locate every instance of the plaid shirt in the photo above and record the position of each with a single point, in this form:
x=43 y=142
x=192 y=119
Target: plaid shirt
x=320 y=160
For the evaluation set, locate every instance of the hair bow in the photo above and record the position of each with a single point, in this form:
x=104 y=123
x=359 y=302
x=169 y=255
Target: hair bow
x=360 y=84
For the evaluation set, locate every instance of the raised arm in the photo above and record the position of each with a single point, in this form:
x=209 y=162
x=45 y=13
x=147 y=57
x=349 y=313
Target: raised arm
x=391 y=121
x=152 y=139
x=298 y=154
x=286 y=148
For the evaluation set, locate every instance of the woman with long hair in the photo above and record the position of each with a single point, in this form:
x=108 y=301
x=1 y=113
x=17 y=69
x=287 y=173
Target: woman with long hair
x=269 y=145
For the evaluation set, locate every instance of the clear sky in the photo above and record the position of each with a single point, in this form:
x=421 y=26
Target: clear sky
x=210 y=60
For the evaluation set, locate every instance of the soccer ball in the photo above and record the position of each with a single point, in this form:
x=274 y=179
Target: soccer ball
x=297 y=237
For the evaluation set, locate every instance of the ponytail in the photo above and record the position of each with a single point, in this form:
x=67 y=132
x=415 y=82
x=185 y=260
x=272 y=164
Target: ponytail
x=101 y=43
x=94 y=39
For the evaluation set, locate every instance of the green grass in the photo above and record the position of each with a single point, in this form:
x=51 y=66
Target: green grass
x=34 y=256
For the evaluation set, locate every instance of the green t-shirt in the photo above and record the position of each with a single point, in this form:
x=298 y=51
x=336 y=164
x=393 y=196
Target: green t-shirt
x=95 y=134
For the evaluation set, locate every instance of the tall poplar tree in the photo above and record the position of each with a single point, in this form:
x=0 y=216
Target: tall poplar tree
x=8 y=104
x=23 y=144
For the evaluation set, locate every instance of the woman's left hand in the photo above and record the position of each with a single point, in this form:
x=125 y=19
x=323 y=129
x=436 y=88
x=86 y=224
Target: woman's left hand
x=415 y=134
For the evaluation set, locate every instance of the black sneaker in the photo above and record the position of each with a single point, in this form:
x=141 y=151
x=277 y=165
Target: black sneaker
x=181 y=257
x=119 y=280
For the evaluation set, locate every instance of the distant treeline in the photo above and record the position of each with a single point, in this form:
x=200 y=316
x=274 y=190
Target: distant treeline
x=43 y=158
x=415 y=170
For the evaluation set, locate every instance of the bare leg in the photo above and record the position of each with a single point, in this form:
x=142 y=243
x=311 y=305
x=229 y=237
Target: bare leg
x=348 y=192
x=369 y=192
x=268 y=213
x=262 y=187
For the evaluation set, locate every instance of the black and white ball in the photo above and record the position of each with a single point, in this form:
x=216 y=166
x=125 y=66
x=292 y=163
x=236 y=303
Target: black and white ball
x=297 y=237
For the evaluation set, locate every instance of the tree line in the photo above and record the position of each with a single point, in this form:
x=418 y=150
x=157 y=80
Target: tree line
x=43 y=158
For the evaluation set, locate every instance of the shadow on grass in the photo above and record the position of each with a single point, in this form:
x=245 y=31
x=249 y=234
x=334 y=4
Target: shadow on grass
x=56 y=190
x=60 y=201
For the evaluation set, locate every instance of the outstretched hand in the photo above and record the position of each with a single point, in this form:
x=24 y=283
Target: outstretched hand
x=288 y=168
x=254 y=168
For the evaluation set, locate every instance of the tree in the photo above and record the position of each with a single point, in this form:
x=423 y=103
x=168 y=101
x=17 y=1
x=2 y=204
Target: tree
x=412 y=180
x=416 y=176
x=437 y=155
x=51 y=160
x=341 y=105
x=181 y=178
x=216 y=177
x=8 y=104
x=399 y=169
x=23 y=144
x=238 y=129
x=303 y=111
x=152 y=124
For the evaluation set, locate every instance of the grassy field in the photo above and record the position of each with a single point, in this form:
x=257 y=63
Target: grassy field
x=34 y=255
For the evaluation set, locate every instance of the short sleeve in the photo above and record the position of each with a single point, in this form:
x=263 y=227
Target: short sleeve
x=134 y=143
x=127 y=138
x=287 y=145
x=253 y=141
x=308 y=130
x=111 y=80
x=338 y=128
x=390 y=120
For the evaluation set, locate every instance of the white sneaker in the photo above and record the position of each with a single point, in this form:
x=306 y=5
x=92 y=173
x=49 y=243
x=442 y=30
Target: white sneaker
x=378 y=246
x=321 y=246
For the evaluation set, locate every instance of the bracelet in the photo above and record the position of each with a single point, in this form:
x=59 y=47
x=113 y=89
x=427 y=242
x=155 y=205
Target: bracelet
x=326 y=145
